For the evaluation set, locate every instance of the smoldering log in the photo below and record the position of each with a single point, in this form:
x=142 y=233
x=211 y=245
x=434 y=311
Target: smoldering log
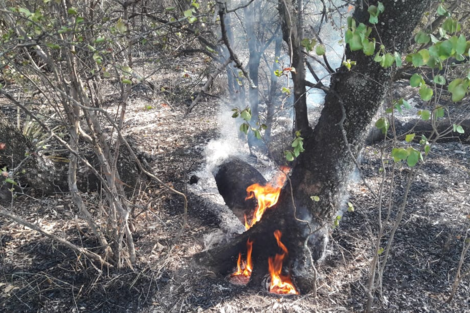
x=233 y=177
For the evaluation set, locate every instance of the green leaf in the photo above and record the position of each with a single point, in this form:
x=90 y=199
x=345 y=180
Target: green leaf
x=459 y=91
x=398 y=59
x=246 y=115
x=289 y=156
x=425 y=54
x=192 y=19
x=425 y=114
x=72 y=11
x=426 y=93
x=285 y=90
x=422 y=38
x=380 y=7
x=441 y=10
x=388 y=60
x=380 y=251
x=440 y=80
x=399 y=154
x=235 y=115
x=374 y=13
x=427 y=148
x=350 y=207
x=458 y=128
x=417 y=59
x=121 y=26
x=10 y=181
x=382 y=124
x=244 y=128
x=416 y=80
x=126 y=81
x=410 y=137
x=413 y=157
x=188 y=13
x=355 y=43
x=439 y=112
x=315 y=198
x=451 y=25
x=445 y=49
x=257 y=134
x=461 y=45
x=454 y=84
x=24 y=11
x=99 y=39
x=320 y=49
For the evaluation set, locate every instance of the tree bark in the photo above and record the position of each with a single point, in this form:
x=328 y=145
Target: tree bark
x=324 y=168
x=292 y=34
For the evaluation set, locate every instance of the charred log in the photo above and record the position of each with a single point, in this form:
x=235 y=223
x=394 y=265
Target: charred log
x=233 y=178
x=443 y=131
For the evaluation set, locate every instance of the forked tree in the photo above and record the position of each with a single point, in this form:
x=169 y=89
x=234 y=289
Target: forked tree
x=323 y=169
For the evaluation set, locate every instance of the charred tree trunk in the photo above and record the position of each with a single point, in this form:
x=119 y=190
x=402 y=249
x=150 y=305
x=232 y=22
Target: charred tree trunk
x=323 y=169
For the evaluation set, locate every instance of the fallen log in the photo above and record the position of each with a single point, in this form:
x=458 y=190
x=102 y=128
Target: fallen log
x=233 y=177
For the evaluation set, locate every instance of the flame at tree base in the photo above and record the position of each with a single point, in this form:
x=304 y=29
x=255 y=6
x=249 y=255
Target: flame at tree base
x=280 y=284
x=244 y=269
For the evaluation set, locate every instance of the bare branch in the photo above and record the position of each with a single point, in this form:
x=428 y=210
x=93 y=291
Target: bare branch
x=241 y=7
x=205 y=89
x=5 y=213
x=233 y=56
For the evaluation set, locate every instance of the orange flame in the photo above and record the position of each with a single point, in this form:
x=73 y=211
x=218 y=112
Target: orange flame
x=267 y=195
x=244 y=269
x=280 y=284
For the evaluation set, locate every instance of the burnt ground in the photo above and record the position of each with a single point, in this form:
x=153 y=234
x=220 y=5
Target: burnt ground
x=39 y=275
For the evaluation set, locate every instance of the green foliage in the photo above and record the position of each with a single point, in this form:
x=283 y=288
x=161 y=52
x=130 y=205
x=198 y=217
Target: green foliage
x=411 y=155
x=382 y=124
x=320 y=49
x=308 y=44
x=458 y=128
x=315 y=198
x=374 y=12
x=298 y=147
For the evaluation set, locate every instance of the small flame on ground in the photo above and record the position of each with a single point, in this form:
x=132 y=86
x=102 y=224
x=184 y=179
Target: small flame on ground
x=267 y=196
x=244 y=269
x=280 y=284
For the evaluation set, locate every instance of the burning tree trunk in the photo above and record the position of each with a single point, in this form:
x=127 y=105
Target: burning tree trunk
x=324 y=168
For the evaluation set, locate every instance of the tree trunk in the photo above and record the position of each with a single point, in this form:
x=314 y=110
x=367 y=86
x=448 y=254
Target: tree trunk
x=292 y=34
x=324 y=168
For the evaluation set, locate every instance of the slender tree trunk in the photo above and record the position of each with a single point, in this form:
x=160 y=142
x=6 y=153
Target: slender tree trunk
x=272 y=89
x=292 y=23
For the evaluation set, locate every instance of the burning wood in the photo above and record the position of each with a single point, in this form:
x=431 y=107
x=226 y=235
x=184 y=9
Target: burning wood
x=267 y=195
x=280 y=284
x=244 y=269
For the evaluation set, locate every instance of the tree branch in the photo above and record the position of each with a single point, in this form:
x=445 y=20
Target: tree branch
x=233 y=56
x=91 y=255
x=205 y=89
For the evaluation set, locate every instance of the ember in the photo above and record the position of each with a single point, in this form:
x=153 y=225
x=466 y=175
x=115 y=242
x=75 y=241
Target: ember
x=267 y=195
x=244 y=269
x=280 y=284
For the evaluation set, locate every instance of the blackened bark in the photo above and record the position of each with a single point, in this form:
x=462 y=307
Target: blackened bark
x=233 y=177
x=354 y=98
